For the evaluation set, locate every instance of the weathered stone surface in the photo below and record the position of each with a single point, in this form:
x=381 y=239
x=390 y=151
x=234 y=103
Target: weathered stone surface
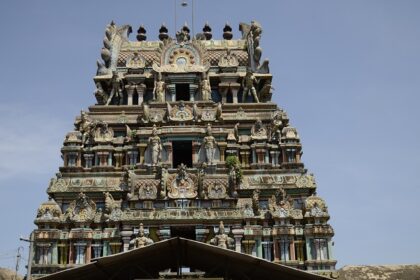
x=380 y=272
x=7 y=274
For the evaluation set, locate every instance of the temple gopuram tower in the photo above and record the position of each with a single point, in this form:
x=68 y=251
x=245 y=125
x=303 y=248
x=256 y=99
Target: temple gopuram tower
x=184 y=141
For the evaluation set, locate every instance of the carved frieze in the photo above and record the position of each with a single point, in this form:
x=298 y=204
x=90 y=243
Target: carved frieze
x=273 y=181
x=90 y=183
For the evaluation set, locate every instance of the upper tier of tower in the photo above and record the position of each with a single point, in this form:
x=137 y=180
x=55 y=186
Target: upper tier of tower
x=188 y=68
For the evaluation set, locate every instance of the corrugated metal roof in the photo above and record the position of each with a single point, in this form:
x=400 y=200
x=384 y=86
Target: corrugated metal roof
x=147 y=262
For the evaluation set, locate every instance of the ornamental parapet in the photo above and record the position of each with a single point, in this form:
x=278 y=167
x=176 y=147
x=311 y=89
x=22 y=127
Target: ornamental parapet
x=182 y=214
x=311 y=230
x=81 y=234
x=283 y=230
x=47 y=234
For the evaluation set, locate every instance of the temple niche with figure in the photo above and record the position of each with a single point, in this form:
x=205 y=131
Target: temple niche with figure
x=184 y=141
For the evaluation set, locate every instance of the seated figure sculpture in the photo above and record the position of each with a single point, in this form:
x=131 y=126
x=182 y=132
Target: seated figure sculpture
x=141 y=240
x=221 y=239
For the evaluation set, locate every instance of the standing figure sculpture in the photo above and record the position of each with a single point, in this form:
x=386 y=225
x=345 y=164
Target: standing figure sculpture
x=209 y=146
x=86 y=126
x=221 y=239
x=159 y=89
x=141 y=240
x=155 y=146
x=115 y=88
x=205 y=88
x=248 y=84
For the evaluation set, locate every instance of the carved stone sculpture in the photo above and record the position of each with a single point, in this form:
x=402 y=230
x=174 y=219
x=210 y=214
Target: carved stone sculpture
x=182 y=184
x=248 y=85
x=209 y=144
x=155 y=147
x=146 y=113
x=221 y=239
x=205 y=88
x=81 y=210
x=256 y=202
x=141 y=240
x=116 y=88
x=112 y=208
x=100 y=94
x=258 y=131
x=159 y=90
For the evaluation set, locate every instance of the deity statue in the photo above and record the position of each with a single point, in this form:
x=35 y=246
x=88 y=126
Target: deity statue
x=248 y=85
x=256 y=202
x=221 y=239
x=85 y=126
x=276 y=124
x=141 y=240
x=115 y=88
x=205 y=88
x=156 y=146
x=159 y=89
x=100 y=94
x=258 y=130
x=209 y=145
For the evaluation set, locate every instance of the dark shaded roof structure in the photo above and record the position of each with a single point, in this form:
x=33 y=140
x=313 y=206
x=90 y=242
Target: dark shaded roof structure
x=175 y=253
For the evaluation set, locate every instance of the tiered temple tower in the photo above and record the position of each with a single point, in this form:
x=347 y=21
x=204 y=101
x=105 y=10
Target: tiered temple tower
x=183 y=141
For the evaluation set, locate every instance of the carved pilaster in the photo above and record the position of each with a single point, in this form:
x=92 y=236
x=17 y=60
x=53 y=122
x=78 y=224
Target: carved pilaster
x=238 y=234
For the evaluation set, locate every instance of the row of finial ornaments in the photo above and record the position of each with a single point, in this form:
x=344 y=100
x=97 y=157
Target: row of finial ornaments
x=185 y=30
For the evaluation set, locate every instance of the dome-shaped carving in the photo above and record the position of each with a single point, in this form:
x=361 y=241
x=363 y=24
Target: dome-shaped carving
x=48 y=211
x=315 y=207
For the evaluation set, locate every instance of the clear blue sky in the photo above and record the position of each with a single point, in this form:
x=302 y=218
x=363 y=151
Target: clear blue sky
x=347 y=72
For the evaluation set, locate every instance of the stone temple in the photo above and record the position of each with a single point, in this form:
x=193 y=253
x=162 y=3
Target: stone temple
x=183 y=141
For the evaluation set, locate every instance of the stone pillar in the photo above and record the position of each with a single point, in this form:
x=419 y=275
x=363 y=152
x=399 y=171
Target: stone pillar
x=168 y=147
x=195 y=150
x=222 y=148
x=126 y=236
x=118 y=160
x=88 y=252
x=234 y=87
x=308 y=250
x=71 y=253
x=276 y=250
x=105 y=249
x=193 y=90
x=130 y=91
x=79 y=159
x=258 y=246
x=54 y=255
x=238 y=234
x=88 y=160
x=248 y=246
x=172 y=90
x=292 y=249
x=330 y=249
x=254 y=155
x=140 y=91
x=267 y=249
x=223 y=90
x=142 y=148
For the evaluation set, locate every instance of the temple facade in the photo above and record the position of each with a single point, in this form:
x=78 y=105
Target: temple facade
x=183 y=141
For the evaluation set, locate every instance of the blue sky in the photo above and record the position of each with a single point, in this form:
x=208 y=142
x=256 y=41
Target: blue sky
x=347 y=73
